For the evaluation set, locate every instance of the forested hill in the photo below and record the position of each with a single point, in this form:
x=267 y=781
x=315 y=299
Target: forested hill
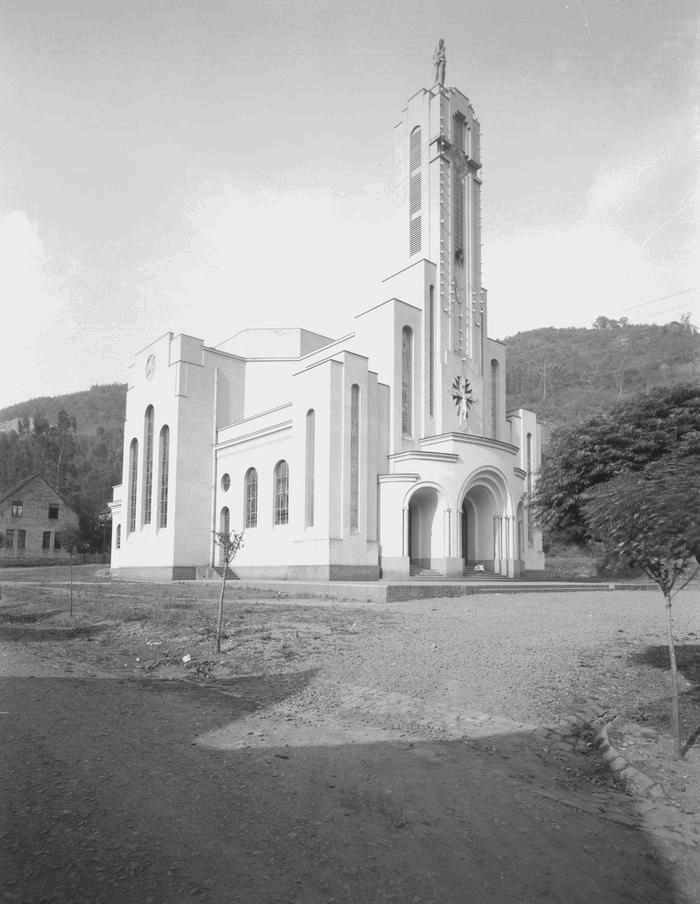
x=568 y=375
x=99 y=406
x=75 y=442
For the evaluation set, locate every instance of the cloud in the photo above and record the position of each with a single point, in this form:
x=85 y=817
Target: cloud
x=270 y=258
x=609 y=260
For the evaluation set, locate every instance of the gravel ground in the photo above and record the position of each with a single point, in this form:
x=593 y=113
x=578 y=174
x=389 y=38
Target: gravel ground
x=529 y=658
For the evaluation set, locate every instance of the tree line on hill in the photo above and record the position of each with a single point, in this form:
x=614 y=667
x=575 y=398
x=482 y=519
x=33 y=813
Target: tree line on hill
x=569 y=375
x=566 y=375
x=81 y=460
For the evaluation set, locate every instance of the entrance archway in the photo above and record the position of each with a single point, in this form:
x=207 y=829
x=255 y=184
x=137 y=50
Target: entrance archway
x=425 y=536
x=488 y=536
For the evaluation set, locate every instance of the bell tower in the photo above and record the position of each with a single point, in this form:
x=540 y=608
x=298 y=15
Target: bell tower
x=438 y=214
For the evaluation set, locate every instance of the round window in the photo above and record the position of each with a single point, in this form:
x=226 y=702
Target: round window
x=225 y=482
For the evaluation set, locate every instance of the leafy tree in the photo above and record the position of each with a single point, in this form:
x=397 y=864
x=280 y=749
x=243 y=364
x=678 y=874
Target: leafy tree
x=228 y=542
x=650 y=519
x=645 y=429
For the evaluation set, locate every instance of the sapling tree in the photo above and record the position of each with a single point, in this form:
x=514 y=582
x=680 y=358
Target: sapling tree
x=228 y=543
x=72 y=542
x=650 y=520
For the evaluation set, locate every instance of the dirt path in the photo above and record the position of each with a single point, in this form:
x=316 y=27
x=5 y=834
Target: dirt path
x=332 y=753
x=110 y=796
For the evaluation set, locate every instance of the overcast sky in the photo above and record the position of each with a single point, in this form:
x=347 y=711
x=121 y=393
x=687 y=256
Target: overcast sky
x=211 y=166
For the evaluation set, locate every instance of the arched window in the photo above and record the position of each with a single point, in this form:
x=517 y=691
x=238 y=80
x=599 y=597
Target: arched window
x=133 y=478
x=310 y=466
x=226 y=482
x=494 y=398
x=281 y=493
x=224 y=520
x=407 y=381
x=529 y=463
x=119 y=536
x=414 y=191
x=164 y=457
x=250 y=497
x=431 y=351
x=148 y=465
x=354 y=457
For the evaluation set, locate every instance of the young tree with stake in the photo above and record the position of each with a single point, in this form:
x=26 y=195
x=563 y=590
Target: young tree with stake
x=72 y=542
x=228 y=542
x=651 y=520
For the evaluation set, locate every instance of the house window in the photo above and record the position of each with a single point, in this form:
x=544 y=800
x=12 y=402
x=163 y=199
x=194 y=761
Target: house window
x=46 y=540
x=164 y=465
x=16 y=508
x=10 y=539
x=21 y=539
x=53 y=512
x=250 y=493
x=281 y=493
x=148 y=465
x=354 y=457
x=56 y=541
x=119 y=536
x=2 y=539
x=310 y=466
x=133 y=476
x=407 y=381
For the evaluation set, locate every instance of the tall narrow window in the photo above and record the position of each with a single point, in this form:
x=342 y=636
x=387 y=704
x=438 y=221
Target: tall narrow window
x=310 y=466
x=529 y=463
x=494 y=398
x=164 y=457
x=458 y=189
x=119 y=536
x=133 y=477
x=354 y=457
x=224 y=528
x=431 y=351
x=148 y=465
x=281 y=493
x=414 y=191
x=250 y=497
x=407 y=381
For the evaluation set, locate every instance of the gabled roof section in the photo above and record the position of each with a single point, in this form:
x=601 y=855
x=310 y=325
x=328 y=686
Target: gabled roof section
x=16 y=487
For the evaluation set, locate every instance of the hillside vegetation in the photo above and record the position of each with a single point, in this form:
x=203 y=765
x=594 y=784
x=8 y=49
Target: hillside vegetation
x=565 y=375
x=75 y=442
x=569 y=375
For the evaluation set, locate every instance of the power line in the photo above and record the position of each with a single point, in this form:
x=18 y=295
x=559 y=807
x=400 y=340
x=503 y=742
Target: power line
x=678 y=307
x=654 y=300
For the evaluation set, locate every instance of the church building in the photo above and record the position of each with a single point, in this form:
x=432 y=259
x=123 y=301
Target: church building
x=383 y=454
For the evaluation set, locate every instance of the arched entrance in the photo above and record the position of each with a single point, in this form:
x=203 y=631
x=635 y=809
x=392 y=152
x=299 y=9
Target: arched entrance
x=488 y=529
x=425 y=528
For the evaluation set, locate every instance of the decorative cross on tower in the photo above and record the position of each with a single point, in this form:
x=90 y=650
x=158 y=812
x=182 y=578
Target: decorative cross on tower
x=463 y=399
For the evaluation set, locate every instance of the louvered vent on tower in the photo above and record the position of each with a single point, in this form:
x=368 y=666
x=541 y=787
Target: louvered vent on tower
x=415 y=190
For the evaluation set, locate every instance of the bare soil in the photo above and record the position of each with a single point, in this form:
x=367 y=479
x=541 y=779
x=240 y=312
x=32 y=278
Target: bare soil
x=494 y=671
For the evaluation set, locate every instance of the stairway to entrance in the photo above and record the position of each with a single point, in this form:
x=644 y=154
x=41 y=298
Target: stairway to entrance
x=416 y=571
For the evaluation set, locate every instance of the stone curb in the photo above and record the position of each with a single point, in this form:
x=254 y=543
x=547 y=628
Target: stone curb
x=632 y=777
x=591 y=716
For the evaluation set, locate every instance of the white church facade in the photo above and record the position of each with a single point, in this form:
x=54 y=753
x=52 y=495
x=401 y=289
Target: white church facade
x=382 y=454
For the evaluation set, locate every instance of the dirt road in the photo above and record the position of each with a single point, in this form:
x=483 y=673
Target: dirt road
x=109 y=795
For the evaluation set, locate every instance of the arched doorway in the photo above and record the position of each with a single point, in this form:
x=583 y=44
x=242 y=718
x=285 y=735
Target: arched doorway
x=488 y=530
x=425 y=536
x=479 y=510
